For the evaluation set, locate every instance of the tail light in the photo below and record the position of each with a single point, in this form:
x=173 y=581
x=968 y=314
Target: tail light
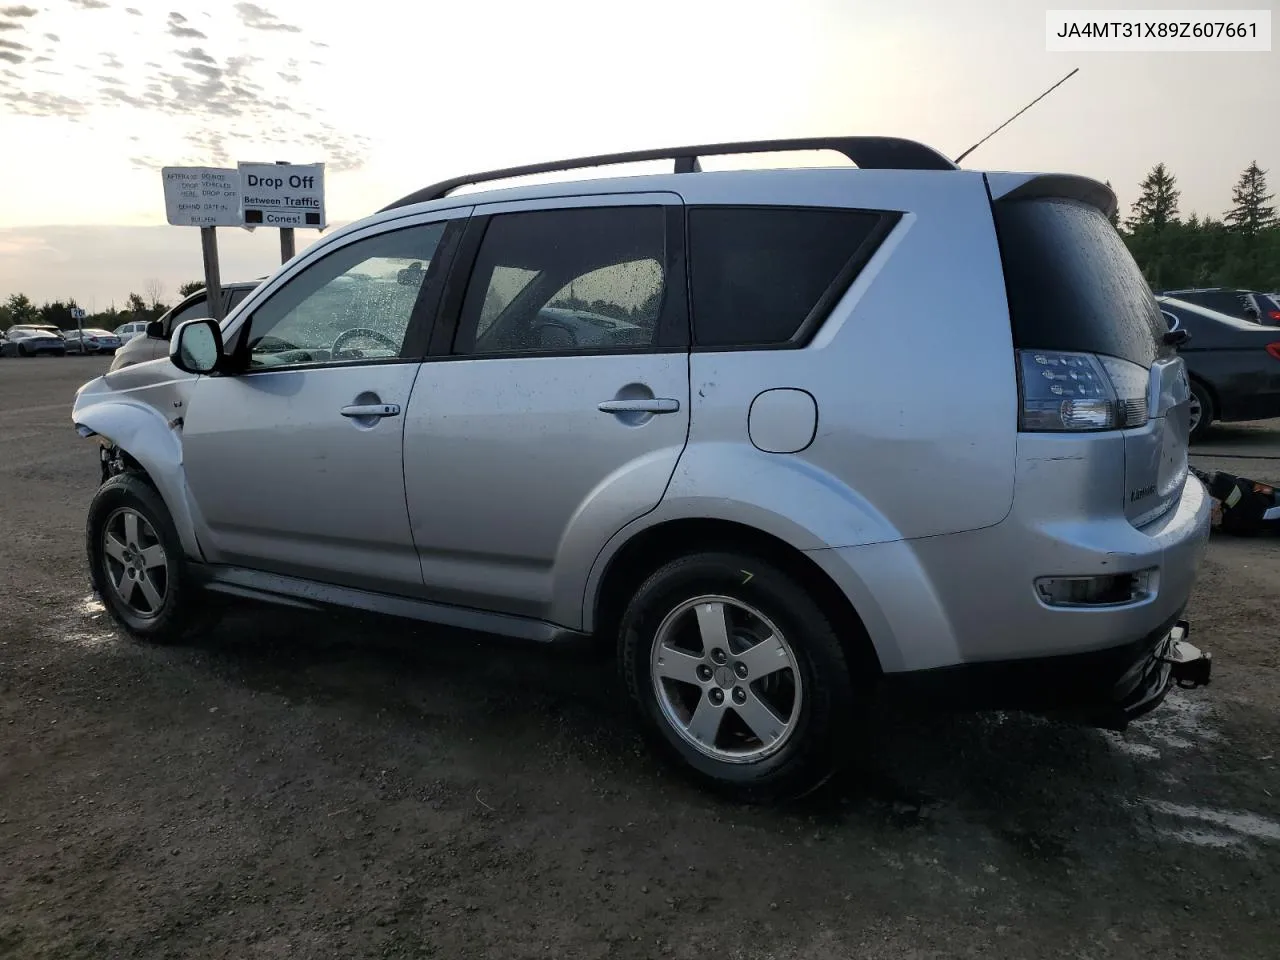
x=1069 y=392
x=1274 y=349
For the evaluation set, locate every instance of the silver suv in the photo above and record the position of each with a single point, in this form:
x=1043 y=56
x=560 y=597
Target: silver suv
x=782 y=438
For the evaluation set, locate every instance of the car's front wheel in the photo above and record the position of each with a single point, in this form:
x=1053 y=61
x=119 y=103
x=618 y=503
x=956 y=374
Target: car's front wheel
x=137 y=565
x=739 y=675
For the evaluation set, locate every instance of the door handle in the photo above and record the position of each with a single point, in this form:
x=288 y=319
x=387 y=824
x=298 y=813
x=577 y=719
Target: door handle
x=640 y=405
x=371 y=410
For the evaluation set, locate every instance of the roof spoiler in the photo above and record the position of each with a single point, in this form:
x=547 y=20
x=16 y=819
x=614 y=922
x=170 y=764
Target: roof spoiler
x=1066 y=186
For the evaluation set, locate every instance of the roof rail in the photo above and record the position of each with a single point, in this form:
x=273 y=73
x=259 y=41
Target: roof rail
x=868 y=153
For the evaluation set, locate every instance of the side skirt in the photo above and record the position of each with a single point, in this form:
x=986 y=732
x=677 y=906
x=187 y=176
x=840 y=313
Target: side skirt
x=309 y=595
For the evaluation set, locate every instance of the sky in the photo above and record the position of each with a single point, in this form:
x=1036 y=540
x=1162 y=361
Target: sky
x=97 y=95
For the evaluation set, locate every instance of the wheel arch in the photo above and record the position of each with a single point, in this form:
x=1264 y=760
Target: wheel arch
x=623 y=571
x=152 y=444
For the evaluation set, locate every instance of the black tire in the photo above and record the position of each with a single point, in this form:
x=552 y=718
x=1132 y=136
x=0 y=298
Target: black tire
x=1207 y=410
x=186 y=610
x=22 y=351
x=820 y=741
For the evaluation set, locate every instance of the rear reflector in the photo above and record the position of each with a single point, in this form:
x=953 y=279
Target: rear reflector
x=1070 y=392
x=1274 y=349
x=1107 y=590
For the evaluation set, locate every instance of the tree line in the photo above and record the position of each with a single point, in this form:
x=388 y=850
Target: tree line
x=1240 y=249
x=18 y=308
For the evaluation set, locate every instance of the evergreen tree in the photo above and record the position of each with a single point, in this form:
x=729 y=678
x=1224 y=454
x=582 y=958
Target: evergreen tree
x=1252 y=211
x=21 y=310
x=1157 y=205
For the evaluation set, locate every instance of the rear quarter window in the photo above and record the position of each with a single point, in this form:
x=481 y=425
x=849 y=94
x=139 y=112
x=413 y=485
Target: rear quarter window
x=1073 y=285
x=757 y=274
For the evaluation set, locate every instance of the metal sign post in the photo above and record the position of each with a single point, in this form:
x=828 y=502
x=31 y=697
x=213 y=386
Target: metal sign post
x=212 y=279
x=287 y=249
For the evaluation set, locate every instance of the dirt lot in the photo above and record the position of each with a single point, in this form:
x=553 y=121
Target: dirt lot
x=290 y=788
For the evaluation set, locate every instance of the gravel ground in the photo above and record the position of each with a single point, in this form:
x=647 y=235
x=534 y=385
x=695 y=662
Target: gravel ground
x=298 y=788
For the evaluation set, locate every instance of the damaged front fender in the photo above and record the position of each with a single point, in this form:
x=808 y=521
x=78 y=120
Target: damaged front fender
x=143 y=427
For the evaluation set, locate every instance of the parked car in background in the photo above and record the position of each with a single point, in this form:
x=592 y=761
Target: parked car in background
x=1233 y=364
x=41 y=327
x=33 y=342
x=1263 y=308
x=127 y=331
x=154 y=341
x=715 y=420
x=91 y=341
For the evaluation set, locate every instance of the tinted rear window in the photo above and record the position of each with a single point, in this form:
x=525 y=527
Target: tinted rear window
x=757 y=272
x=1072 y=283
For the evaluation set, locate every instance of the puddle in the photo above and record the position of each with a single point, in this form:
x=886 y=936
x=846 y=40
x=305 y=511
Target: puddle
x=1236 y=827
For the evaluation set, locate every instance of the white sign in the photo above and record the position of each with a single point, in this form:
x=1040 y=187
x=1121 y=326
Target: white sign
x=201 y=196
x=282 y=195
x=77 y=313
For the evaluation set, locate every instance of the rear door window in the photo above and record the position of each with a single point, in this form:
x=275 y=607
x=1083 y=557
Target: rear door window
x=758 y=273
x=1073 y=285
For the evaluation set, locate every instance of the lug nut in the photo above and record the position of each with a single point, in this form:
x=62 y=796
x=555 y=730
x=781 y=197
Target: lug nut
x=704 y=672
x=740 y=669
x=719 y=656
x=717 y=696
x=739 y=695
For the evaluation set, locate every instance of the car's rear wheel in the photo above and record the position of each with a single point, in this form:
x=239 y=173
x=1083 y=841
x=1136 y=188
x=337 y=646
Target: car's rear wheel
x=738 y=675
x=1202 y=410
x=137 y=565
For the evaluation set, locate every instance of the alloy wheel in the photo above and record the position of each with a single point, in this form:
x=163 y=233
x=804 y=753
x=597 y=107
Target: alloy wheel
x=726 y=679
x=135 y=563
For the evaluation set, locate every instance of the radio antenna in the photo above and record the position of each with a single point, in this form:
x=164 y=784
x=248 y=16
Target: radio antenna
x=1017 y=115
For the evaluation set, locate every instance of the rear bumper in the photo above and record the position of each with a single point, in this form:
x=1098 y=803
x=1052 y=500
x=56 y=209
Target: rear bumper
x=1104 y=688
x=972 y=598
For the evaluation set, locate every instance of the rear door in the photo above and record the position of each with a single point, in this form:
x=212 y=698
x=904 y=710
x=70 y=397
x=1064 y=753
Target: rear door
x=1074 y=287
x=555 y=403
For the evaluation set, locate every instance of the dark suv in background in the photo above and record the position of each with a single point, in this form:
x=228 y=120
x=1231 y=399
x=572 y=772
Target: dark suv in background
x=1261 y=308
x=155 y=344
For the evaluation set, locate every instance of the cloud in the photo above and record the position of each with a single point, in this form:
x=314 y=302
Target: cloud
x=209 y=101
x=11 y=57
x=133 y=11
x=11 y=45
x=256 y=18
x=317 y=43
x=52 y=36
x=18 y=12
x=6 y=25
x=91 y=4
x=190 y=33
x=195 y=53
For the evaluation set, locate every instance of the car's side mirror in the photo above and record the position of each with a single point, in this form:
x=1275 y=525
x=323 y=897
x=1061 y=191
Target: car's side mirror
x=196 y=346
x=155 y=330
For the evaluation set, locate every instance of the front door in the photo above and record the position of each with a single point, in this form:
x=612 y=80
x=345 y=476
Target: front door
x=557 y=412
x=295 y=465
